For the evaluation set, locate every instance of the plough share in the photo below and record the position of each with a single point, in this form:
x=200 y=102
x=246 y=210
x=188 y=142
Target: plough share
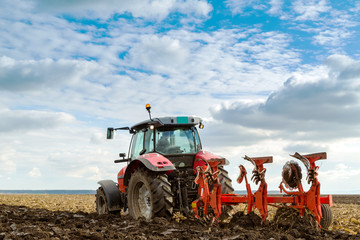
x=208 y=205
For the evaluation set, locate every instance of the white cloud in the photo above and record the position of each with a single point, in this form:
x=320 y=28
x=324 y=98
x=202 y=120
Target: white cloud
x=211 y=62
x=272 y=7
x=238 y=6
x=310 y=9
x=64 y=156
x=98 y=138
x=222 y=132
x=159 y=54
x=84 y=161
x=88 y=172
x=26 y=120
x=332 y=37
x=276 y=7
x=356 y=8
x=330 y=27
x=306 y=147
x=7 y=162
x=339 y=63
x=151 y=9
x=197 y=7
x=35 y=172
x=306 y=110
x=223 y=57
x=29 y=35
x=32 y=75
x=335 y=178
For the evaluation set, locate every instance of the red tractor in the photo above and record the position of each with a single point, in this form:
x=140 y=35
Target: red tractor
x=158 y=180
x=168 y=171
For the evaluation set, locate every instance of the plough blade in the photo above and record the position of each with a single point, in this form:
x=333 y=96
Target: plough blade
x=242 y=175
x=257 y=161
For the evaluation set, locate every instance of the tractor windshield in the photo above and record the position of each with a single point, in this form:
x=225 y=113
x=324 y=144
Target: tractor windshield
x=176 y=141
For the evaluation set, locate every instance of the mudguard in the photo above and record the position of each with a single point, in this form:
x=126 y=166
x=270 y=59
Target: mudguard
x=120 y=178
x=202 y=156
x=112 y=194
x=153 y=161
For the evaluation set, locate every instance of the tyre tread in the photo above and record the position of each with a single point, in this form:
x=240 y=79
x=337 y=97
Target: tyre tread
x=226 y=188
x=327 y=216
x=160 y=189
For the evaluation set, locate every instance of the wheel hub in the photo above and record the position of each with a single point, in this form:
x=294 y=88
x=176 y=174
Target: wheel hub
x=101 y=205
x=144 y=201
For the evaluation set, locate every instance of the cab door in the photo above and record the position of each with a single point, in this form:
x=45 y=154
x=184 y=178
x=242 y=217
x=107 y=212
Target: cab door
x=142 y=142
x=137 y=145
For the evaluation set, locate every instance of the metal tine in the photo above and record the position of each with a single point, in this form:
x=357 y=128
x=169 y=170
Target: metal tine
x=242 y=174
x=303 y=159
x=250 y=160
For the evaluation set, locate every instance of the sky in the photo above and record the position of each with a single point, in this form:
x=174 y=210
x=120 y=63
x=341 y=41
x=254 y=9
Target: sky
x=268 y=78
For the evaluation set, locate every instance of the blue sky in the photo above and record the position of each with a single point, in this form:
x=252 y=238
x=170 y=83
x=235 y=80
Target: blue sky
x=268 y=77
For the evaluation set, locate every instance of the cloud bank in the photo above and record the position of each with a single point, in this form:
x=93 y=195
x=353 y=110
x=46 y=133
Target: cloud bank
x=306 y=108
x=26 y=120
x=151 y=9
x=29 y=75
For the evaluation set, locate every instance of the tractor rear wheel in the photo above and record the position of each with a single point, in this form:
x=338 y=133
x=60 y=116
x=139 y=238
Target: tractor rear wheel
x=101 y=203
x=226 y=188
x=149 y=195
x=327 y=216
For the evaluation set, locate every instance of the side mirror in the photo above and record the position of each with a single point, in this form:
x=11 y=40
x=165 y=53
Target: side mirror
x=110 y=133
x=122 y=155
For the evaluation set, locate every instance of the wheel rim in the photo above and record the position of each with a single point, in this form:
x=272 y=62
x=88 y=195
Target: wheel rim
x=144 y=201
x=101 y=205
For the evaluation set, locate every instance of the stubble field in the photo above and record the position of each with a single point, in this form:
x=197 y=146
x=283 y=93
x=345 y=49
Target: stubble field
x=25 y=216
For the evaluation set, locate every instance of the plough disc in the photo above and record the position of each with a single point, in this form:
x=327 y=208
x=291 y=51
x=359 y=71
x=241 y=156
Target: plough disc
x=291 y=174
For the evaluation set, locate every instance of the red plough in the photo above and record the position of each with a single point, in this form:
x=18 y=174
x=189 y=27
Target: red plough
x=208 y=205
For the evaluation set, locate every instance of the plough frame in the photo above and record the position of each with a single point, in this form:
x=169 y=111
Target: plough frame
x=210 y=189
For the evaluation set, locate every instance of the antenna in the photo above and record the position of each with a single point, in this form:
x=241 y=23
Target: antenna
x=148 y=107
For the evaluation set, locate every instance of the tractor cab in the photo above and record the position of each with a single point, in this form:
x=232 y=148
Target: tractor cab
x=159 y=179
x=176 y=138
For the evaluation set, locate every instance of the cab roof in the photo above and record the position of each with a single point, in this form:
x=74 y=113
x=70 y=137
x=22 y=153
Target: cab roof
x=168 y=121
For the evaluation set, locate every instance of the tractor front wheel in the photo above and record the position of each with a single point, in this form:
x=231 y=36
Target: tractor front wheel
x=149 y=195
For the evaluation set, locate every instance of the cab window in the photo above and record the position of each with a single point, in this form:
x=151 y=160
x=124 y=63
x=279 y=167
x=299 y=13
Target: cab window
x=197 y=139
x=175 y=141
x=149 y=141
x=137 y=145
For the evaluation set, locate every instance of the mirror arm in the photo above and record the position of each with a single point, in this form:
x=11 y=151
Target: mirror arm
x=131 y=131
x=110 y=131
x=122 y=160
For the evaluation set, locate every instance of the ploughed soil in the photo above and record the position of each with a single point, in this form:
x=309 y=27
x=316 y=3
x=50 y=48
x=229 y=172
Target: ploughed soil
x=23 y=222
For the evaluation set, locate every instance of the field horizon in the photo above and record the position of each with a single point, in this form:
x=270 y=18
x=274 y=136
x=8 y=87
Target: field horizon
x=90 y=191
